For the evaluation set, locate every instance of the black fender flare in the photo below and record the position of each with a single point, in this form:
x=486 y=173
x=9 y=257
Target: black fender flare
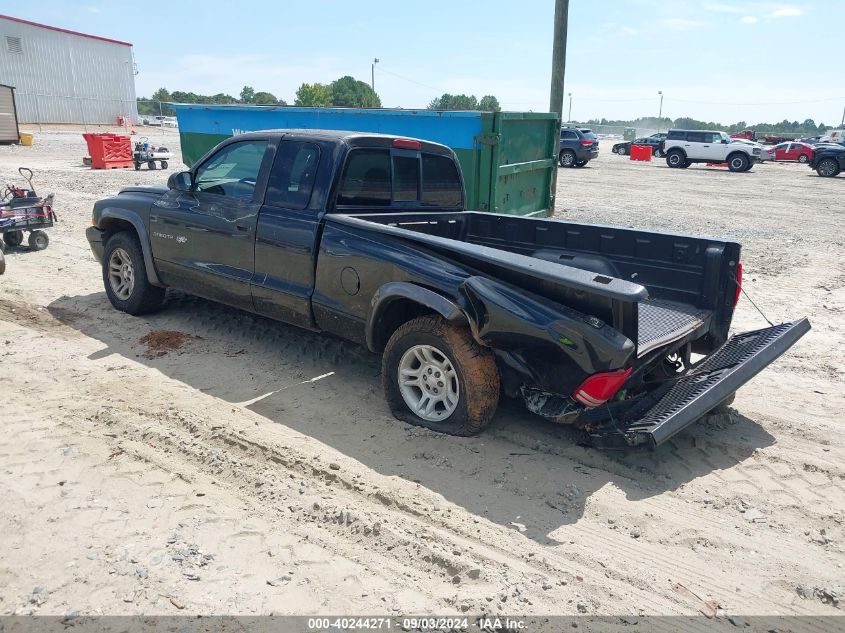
x=143 y=237
x=397 y=290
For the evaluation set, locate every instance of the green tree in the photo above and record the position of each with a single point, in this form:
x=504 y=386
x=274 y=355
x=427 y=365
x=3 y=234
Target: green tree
x=489 y=103
x=247 y=94
x=351 y=93
x=314 y=95
x=265 y=98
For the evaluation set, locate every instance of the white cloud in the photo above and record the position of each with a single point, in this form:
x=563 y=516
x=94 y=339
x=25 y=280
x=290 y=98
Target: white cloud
x=681 y=24
x=723 y=8
x=787 y=11
x=93 y=9
x=748 y=19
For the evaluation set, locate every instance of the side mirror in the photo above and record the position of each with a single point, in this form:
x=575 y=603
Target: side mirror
x=725 y=141
x=181 y=181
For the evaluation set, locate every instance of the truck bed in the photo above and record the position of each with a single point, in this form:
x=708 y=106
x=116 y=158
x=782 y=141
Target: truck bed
x=655 y=288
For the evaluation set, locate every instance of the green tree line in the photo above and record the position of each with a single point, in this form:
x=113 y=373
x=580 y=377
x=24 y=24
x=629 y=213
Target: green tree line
x=345 y=92
x=808 y=127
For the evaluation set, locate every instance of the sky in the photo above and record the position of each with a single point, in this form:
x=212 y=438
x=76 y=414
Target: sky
x=723 y=61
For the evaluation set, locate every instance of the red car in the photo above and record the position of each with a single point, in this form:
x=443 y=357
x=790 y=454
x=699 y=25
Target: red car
x=802 y=152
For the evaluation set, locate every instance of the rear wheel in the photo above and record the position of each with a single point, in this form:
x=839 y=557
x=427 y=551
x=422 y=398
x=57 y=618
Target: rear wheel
x=125 y=276
x=38 y=240
x=827 y=167
x=164 y=164
x=151 y=164
x=738 y=162
x=436 y=375
x=567 y=158
x=137 y=166
x=676 y=158
x=13 y=238
x=621 y=150
x=658 y=152
x=581 y=163
x=2 y=262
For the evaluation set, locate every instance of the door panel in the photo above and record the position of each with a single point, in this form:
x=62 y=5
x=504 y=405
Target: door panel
x=203 y=240
x=286 y=236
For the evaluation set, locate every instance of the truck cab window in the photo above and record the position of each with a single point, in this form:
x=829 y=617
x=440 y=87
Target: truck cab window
x=366 y=179
x=292 y=176
x=441 y=182
x=233 y=171
x=406 y=178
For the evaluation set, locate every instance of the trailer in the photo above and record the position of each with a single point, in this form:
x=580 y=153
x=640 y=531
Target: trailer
x=508 y=159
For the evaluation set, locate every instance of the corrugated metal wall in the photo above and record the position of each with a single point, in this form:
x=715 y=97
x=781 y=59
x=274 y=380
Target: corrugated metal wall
x=64 y=78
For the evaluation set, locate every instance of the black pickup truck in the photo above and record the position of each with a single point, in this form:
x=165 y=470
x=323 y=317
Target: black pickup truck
x=622 y=333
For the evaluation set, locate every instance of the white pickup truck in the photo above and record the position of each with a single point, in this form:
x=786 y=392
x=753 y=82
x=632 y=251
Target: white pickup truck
x=685 y=147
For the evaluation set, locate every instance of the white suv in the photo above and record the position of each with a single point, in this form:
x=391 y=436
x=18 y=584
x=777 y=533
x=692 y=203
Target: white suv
x=685 y=147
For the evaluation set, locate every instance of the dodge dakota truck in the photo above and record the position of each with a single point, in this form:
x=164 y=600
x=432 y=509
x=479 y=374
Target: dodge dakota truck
x=623 y=333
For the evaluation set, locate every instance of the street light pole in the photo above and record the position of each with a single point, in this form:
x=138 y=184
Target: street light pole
x=660 y=113
x=373 y=74
x=569 y=117
x=559 y=57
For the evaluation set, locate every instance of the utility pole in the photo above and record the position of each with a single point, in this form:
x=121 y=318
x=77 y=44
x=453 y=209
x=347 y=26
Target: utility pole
x=842 y=124
x=559 y=57
x=569 y=117
x=660 y=113
x=373 y=74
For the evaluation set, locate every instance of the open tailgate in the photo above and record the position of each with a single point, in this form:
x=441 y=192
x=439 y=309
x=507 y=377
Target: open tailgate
x=707 y=384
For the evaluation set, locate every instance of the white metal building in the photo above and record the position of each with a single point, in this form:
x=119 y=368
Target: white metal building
x=62 y=76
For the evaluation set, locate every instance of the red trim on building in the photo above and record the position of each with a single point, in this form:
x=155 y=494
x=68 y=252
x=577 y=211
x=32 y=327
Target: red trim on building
x=69 y=32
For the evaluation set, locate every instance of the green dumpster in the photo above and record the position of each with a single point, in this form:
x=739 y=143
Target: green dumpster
x=507 y=158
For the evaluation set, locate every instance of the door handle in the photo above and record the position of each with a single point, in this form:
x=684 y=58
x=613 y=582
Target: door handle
x=242 y=227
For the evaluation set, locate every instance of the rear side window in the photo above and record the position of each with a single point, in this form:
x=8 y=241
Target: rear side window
x=568 y=134
x=292 y=176
x=695 y=137
x=441 y=182
x=676 y=135
x=589 y=134
x=366 y=179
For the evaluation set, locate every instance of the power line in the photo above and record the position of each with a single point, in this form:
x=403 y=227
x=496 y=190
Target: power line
x=413 y=81
x=764 y=103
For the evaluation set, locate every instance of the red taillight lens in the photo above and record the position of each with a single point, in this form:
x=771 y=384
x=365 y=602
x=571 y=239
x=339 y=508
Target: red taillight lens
x=406 y=143
x=599 y=388
x=738 y=282
x=586 y=142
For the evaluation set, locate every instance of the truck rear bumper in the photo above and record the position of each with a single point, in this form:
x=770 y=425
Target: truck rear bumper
x=672 y=408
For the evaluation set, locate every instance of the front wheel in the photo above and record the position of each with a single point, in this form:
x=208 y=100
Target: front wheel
x=828 y=168
x=125 y=276
x=739 y=162
x=567 y=158
x=164 y=164
x=658 y=153
x=151 y=164
x=803 y=158
x=621 y=150
x=437 y=376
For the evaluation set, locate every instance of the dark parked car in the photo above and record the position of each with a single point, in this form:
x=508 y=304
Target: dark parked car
x=828 y=161
x=366 y=237
x=654 y=141
x=578 y=146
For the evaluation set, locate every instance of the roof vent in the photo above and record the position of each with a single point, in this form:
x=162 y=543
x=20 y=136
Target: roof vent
x=14 y=44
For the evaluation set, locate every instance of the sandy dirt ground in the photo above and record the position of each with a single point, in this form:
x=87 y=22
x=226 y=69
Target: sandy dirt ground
x=206 y=471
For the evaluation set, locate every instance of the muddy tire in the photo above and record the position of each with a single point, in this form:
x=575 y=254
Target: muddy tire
x=125 y=276
x=427 y=361
x=2 y=262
